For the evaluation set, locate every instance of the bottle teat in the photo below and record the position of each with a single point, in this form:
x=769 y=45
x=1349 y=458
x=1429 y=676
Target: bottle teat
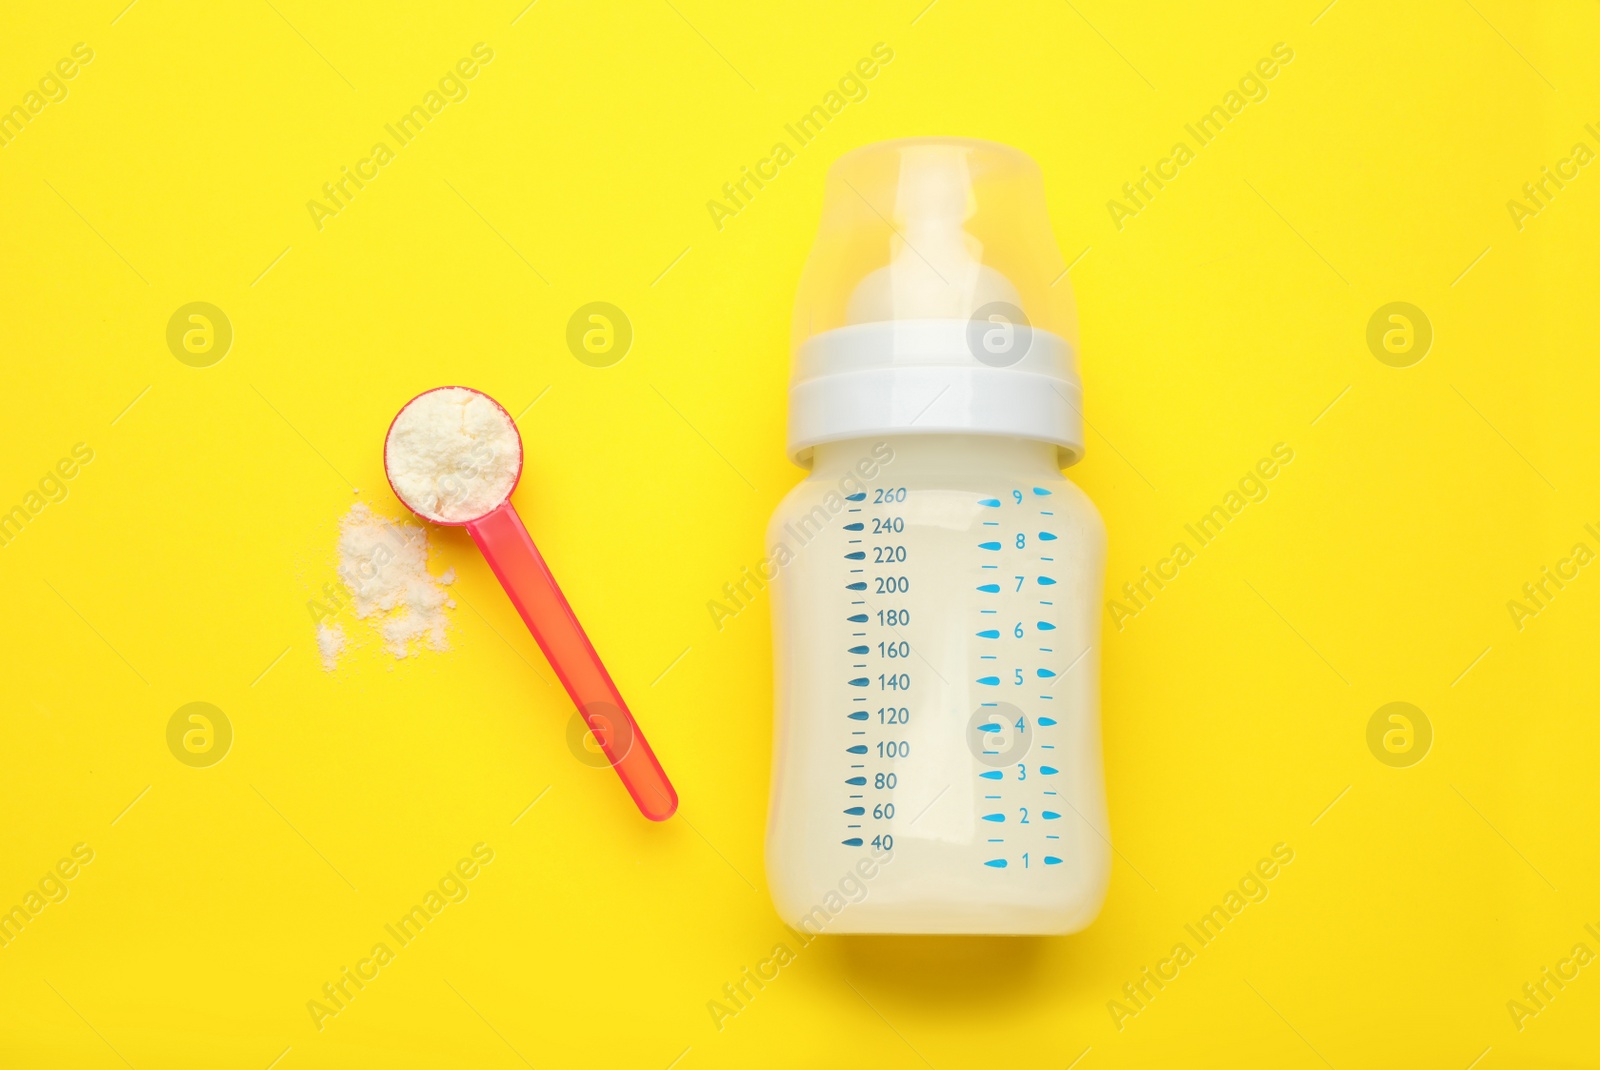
x=936 y=269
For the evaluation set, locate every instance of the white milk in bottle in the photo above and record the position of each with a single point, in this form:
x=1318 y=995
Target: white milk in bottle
x=936 y=746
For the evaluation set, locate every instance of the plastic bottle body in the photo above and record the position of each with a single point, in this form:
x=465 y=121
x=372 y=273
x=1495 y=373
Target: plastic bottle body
x=936 y=740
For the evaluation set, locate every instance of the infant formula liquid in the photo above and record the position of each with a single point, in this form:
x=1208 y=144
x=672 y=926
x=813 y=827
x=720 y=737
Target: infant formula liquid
x=938 y=691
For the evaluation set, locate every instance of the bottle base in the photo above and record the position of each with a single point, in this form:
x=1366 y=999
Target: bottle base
x=943 y=919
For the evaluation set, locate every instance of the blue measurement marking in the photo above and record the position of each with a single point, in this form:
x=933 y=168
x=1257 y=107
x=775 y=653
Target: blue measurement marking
x=988 y=546
x=1046 y=722
x=991 y=523
x=1042 y=650
x=1050 y=559
x=1051 y=860
x=987 y=588
x=856 y=555
x=994 y=863
x=1041 y=492
x=1045 y=674
x=1043 y=513
x=988 y=657
x=860 y=649
x=991 y=796
x=1048 y=770
x=989 y=633
x=1046 y=581
x=992 y=503
x=999 y=840
x=1047 y=603
x=993 y=774
x=1047 y=536
x=859 y=496
x=1044 y=626
x=988 y=727
x=1050 y=815
x=989 y=681
x=994 y=817
x=859 y=526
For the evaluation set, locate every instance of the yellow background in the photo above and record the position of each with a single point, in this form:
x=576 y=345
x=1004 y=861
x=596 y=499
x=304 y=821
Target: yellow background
x=1226 y=317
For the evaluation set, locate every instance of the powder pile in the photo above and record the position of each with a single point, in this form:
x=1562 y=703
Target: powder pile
x=330 y=642
x=384 y=565
x=452 y=454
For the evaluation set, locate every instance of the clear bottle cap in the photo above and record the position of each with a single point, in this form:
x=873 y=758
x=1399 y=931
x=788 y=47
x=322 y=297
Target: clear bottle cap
x=935 y=301
x=933 y=228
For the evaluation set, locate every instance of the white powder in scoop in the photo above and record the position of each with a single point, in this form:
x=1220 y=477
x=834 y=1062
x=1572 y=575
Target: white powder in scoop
x=384 y=565
x=453 y=454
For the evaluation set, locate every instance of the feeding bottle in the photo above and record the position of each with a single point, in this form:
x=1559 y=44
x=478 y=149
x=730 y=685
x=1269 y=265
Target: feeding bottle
x=936 y=745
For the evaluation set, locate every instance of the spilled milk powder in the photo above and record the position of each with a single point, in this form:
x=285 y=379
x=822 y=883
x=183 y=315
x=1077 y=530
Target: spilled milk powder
x=383 y=563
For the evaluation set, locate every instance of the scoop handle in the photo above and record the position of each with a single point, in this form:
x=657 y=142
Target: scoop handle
x=516 y=561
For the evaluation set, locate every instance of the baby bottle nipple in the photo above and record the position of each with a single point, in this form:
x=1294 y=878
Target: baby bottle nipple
x=936 y=270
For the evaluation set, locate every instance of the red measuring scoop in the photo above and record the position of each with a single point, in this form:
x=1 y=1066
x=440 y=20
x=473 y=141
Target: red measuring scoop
x=517 y=563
